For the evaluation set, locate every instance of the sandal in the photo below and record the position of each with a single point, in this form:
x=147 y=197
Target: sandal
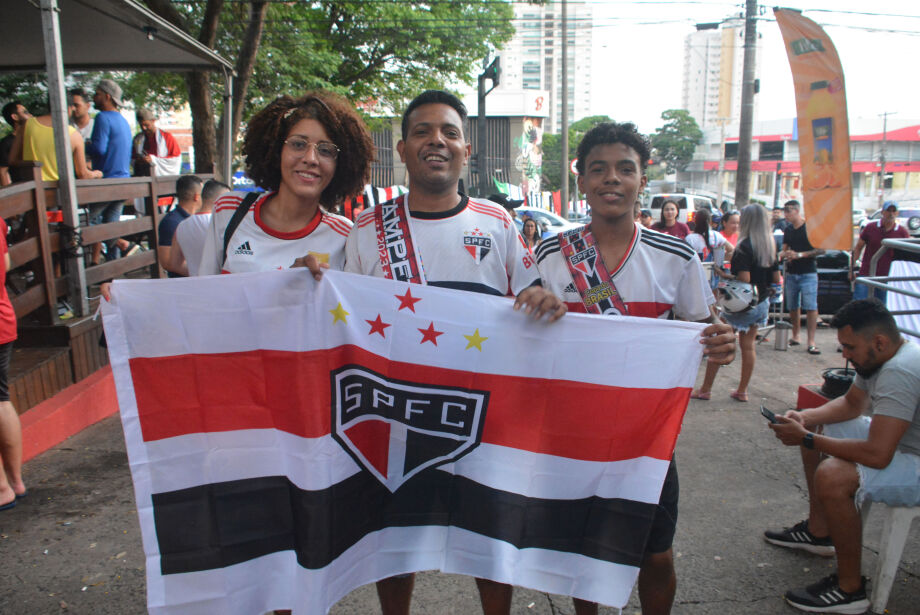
x=813 y=350
x=738 y=396
x=697 y=395
x=795 y=343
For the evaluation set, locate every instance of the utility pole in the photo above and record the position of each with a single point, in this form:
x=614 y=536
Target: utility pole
x=882 y=154
x=743 y=176
x=722 y=121
x=493 y=71
x=564 y=128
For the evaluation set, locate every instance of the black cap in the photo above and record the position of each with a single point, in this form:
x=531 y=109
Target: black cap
x=645 y=212
x=505 y=201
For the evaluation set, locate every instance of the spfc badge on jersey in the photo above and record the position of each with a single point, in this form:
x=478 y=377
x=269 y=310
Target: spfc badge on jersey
x=477 y=243
x=396 y=429
x=584 y=260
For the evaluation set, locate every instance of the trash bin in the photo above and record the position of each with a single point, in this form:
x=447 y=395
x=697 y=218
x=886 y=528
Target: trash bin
x=781 y=330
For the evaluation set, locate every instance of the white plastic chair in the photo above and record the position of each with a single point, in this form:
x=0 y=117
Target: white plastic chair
x=894 y=535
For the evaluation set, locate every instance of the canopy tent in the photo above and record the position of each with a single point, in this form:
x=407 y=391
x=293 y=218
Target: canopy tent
x=100 y=35
x=50 y=35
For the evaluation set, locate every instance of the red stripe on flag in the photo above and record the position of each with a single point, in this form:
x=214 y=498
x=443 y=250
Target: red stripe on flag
x=290 y=391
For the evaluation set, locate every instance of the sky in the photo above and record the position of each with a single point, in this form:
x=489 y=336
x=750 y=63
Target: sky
x=879 y=66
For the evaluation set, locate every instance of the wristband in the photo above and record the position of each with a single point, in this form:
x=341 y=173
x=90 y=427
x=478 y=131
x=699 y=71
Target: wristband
x=809 y=441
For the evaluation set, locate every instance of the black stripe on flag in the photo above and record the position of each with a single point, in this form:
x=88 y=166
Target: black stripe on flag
x=222 y=524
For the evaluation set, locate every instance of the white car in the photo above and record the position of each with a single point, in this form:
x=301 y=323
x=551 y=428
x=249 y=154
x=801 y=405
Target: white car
x=548 y=221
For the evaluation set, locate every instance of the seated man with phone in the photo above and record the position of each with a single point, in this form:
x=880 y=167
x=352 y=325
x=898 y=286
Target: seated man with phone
x=863 y=445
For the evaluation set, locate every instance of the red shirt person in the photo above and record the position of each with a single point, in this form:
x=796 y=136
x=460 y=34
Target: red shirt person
x=870 y=238
x=669 y=223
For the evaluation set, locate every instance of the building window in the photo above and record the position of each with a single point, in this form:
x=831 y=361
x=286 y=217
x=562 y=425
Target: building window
x=731 y=151
x=771 y=150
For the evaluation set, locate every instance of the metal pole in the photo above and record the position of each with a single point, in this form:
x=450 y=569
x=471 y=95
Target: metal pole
x=564 y=104
x=722 y=121
x=743 y=176
x=67 y=193
x=882 y=155
x=227 y=169
x=777 y=183
x=481 y=137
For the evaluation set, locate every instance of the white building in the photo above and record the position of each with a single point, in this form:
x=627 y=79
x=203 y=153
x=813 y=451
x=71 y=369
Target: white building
x=532 y=60
x=713 y=72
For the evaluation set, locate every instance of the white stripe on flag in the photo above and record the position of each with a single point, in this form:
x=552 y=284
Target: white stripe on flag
x=396 y=548
x=199 y=459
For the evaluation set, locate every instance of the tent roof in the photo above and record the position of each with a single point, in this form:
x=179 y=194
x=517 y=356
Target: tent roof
x=100 y=35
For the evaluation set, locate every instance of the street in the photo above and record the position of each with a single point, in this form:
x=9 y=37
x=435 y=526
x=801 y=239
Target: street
x=73 y=545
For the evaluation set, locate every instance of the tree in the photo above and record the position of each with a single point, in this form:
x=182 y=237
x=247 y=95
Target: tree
x=379 y=54
x=673 y=144
x=552 y=152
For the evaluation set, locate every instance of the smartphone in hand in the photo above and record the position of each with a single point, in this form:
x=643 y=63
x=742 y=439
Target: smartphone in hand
x=767 y=414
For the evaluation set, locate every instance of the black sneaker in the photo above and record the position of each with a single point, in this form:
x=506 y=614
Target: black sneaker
x=825 y=596
x=798 y=537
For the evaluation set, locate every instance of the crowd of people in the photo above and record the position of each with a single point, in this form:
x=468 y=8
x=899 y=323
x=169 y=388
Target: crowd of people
x=311 y=152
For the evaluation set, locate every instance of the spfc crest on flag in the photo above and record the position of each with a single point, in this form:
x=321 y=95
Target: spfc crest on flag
x=477 y=243
x=397 y=429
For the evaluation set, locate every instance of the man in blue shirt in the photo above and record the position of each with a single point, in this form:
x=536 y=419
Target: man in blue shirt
x=110 y=150
x=188 y=192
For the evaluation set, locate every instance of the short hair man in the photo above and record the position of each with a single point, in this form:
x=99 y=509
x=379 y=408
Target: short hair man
x=188 y=241
x=188 y=193
x=78 y=108
x=434 y=149
x=657 y=276
x=15 y=115
x=110 y=150
x=870 y=238
x=156 y=151
x=801 y=276
x=869 y=448
x=645 y=218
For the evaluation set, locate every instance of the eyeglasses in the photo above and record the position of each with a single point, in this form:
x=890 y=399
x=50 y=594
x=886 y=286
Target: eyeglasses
x=324 y=149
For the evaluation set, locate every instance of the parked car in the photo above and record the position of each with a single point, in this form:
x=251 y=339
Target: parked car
x=686 y=205
x=908 y=216
x=548 y=221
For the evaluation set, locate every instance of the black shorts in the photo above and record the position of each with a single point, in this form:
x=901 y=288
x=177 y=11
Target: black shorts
x=664 y=524
x=5 y=351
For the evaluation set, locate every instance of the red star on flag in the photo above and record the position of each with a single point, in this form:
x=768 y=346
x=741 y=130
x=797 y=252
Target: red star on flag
x=407 y=300
x=377 y=326
x=430 y=335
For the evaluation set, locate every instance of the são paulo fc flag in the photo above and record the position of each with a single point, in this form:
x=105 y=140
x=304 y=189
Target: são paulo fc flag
x=292 y=440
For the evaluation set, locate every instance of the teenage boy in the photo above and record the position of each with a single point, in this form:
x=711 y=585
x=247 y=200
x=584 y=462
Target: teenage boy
x=643 y=273
x=434 y=224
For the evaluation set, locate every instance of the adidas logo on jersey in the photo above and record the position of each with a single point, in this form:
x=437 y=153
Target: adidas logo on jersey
x=570 y=288
x=244 y=249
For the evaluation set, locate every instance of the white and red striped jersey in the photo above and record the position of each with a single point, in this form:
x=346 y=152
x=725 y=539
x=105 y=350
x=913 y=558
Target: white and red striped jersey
x=256 y=247
x=659 y=276
x=475 y=246
x=190 y=235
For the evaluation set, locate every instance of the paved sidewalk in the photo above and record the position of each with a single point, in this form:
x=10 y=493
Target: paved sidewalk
x=73 y=545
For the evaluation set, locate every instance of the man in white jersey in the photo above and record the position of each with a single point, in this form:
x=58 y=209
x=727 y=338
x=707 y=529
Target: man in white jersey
x=863 y=445
x=188 y=242
x=617 y=266
x=436 y=235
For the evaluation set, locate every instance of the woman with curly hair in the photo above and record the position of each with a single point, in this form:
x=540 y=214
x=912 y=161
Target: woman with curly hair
x=310 y=153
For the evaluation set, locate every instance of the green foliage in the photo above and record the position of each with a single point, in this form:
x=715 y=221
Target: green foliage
x=29 y=89
x=381 y=53
x=552 y=152
x=674 y=142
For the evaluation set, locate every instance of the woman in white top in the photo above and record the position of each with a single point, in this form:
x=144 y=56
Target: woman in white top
x=711 y=246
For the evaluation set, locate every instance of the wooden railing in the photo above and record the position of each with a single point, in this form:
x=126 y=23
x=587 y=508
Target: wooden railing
x=47 y=249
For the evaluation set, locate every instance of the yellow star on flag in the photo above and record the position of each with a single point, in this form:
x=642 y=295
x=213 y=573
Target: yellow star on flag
x=338 y=314
x=475 y=340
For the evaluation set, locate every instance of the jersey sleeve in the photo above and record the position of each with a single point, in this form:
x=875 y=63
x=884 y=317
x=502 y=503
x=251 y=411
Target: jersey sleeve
x=212 y=254
x=693 y=294
x=358 y=259
x=520 y=264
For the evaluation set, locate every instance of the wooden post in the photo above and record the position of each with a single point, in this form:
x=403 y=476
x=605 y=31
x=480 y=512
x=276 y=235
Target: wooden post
x=44 y=245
